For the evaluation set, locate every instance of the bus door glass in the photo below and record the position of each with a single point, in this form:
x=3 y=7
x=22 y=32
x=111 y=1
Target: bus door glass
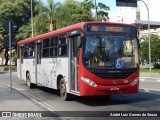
x=21 y=60
x=38 y=61
x=74 y=63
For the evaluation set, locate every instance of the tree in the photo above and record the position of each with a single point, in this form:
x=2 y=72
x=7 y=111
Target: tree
x=86 y=7
x=103 y=12
x=17 y=10
x=44 y=20
x=51 y=11
x=73 y=12
x=24 y=32
x=68 y=13
x=155 y=48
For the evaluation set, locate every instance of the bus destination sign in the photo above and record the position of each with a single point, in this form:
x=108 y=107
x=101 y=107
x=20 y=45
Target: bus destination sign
x=109 y=28
x=94 y=28
x=114 y=29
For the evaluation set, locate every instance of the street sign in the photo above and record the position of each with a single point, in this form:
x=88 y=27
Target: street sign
x=10 y=27
x=6 y=41
x=13 y=25
x=126 y=3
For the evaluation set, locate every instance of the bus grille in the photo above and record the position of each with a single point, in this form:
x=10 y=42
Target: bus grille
x=113 y=74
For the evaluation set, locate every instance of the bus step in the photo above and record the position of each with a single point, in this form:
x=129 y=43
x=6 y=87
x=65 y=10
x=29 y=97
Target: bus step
x=39 y=84
x=75 y=92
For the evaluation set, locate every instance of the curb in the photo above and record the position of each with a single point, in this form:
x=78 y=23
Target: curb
x=153 y=79
x=7 y=69
x=149 y=90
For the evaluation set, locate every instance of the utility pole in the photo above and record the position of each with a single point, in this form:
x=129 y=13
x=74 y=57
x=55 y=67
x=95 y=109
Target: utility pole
x=10 y=27
x=96 y=10
x=149 y=41
x=32 y=17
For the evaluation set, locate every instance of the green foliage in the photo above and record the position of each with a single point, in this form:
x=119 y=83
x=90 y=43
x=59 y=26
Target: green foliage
x=14 y=58
x=24 y=32
x=17 y=10
x=72 y=12
x=103 y=12
x=68 y=13
x=44 y=19
x=148 y=70
x=155 y=48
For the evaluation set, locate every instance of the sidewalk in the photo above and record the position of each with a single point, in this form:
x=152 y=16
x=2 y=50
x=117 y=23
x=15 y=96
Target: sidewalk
x=150 y=76
x=15 y=101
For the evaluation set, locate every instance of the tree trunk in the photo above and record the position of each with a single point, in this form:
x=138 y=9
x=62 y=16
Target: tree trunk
x=6 y=56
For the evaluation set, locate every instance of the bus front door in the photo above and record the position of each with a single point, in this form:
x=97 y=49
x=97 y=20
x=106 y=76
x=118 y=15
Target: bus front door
x=73 y=64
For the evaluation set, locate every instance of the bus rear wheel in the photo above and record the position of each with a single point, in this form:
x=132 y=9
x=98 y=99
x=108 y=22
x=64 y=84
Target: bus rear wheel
x=63 y=91
x=28 y=78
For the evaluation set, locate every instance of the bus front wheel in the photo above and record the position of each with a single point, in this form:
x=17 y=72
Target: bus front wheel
x=63 y=91
x=29 y=84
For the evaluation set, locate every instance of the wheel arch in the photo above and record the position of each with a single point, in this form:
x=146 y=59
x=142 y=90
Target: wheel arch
x=58 y=81
x=26 y=74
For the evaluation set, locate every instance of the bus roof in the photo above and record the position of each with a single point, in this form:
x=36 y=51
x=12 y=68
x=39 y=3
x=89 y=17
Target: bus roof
x=65 y=29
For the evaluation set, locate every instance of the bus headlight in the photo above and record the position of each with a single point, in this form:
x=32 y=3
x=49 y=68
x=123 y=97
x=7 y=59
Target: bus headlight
x=134 y=82
x=88 y=81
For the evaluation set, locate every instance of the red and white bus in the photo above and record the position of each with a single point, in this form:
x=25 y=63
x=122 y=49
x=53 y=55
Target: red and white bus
x=84 y=59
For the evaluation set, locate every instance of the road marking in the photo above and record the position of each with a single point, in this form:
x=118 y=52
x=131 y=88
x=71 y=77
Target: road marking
x=35 y=100
x=142 y=79
x=158 y=80
x=30 y=96
x=147 y=79
x=45 y=105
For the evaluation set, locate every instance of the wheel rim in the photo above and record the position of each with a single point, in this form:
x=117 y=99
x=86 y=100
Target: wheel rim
x=63 y=89
x=28 y=80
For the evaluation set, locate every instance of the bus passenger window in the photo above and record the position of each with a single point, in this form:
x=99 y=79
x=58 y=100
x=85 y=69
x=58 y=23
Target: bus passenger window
x=25 y=54
x=54 y=41
x=46 y=52
x=31 y=50
x=26 y=47
x=46 y=42
x=62 y=50
x=53 y=52
x=62 y=39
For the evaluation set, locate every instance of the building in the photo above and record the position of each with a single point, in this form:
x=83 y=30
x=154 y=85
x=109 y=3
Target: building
x=139 y=16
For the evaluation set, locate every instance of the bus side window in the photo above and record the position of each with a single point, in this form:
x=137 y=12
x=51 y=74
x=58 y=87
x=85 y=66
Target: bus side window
x=62 y=49
x=46 y=43
x=53 y=46
x=31 y=50
x=26 y=48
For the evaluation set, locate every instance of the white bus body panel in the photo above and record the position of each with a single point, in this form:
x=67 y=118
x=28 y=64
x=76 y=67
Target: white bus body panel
x=47 y=71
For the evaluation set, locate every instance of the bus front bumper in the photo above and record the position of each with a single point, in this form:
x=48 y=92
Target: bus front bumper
x=101 y=90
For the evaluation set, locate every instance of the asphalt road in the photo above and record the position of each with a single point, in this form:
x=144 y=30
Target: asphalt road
x=44 y=99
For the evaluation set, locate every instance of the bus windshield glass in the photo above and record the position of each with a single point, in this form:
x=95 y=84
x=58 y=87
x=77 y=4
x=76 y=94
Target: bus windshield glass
x=110 y=52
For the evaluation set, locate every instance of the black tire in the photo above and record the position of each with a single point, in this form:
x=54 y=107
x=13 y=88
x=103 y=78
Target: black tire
x=29 y=84
x=63 y=91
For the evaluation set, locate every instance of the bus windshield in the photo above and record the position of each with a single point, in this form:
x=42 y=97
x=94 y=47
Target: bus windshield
x=110 y=52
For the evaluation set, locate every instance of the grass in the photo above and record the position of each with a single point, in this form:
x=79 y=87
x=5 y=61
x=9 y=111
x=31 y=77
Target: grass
x=3 y=66
x=153 y=70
